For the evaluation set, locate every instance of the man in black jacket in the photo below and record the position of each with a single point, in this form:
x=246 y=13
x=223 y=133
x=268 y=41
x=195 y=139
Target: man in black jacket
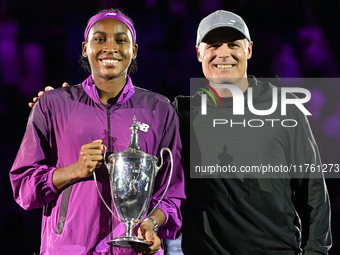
x=233 y=210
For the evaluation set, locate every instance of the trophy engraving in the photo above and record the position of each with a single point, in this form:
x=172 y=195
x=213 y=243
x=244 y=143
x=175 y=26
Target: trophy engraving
x=132 y=174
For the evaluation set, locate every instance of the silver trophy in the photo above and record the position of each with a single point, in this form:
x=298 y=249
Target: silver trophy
x=132 y=175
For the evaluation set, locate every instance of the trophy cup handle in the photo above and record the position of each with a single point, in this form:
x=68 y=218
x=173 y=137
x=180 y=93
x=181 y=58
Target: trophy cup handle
x=95 y=181
x=168 y=184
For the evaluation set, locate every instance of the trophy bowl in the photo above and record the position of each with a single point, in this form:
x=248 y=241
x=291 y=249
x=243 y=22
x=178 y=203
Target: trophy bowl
x=132 y=175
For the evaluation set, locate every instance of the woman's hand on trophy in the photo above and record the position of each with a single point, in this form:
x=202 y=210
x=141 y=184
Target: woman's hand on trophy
x=47 y=88
x=90 y=157
x=146 y=231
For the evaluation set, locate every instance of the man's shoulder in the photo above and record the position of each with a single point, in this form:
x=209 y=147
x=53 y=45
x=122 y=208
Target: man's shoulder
x=184 y=103
x=181 y=103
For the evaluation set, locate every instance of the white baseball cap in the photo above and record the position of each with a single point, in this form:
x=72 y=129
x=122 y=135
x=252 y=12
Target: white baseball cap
x=220 y=19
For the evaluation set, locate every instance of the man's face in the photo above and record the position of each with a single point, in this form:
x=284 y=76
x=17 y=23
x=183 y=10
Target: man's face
x=224 y=53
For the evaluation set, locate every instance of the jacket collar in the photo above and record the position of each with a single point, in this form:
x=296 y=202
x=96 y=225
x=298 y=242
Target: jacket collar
x=91 y=90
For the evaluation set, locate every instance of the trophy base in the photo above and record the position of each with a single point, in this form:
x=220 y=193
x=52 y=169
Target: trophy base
x=125 y=242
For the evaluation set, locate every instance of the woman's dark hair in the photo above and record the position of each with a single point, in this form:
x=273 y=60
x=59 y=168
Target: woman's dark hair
x=85 y=64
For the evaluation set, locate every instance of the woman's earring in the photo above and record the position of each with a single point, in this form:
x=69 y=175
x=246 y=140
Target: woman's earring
x=85 y=55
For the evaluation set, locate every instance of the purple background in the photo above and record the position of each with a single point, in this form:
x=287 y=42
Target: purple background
x=40 y=44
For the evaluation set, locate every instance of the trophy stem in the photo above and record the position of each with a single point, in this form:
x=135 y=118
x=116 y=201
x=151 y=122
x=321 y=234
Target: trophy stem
x=129 y=228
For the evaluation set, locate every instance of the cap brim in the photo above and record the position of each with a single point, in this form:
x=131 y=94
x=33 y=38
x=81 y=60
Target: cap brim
x=205 y=33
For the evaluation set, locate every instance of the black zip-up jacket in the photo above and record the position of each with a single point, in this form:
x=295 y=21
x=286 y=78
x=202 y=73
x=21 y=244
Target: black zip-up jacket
x=247 y=213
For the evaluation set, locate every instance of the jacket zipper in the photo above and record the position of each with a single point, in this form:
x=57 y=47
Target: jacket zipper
x=108 y=129
x=108 y=110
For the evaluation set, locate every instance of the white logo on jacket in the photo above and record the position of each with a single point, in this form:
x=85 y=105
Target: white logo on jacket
x=143 y=127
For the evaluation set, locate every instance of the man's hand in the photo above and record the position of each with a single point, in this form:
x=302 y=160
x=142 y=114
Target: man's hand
x=48 y=88
x=145 y=231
